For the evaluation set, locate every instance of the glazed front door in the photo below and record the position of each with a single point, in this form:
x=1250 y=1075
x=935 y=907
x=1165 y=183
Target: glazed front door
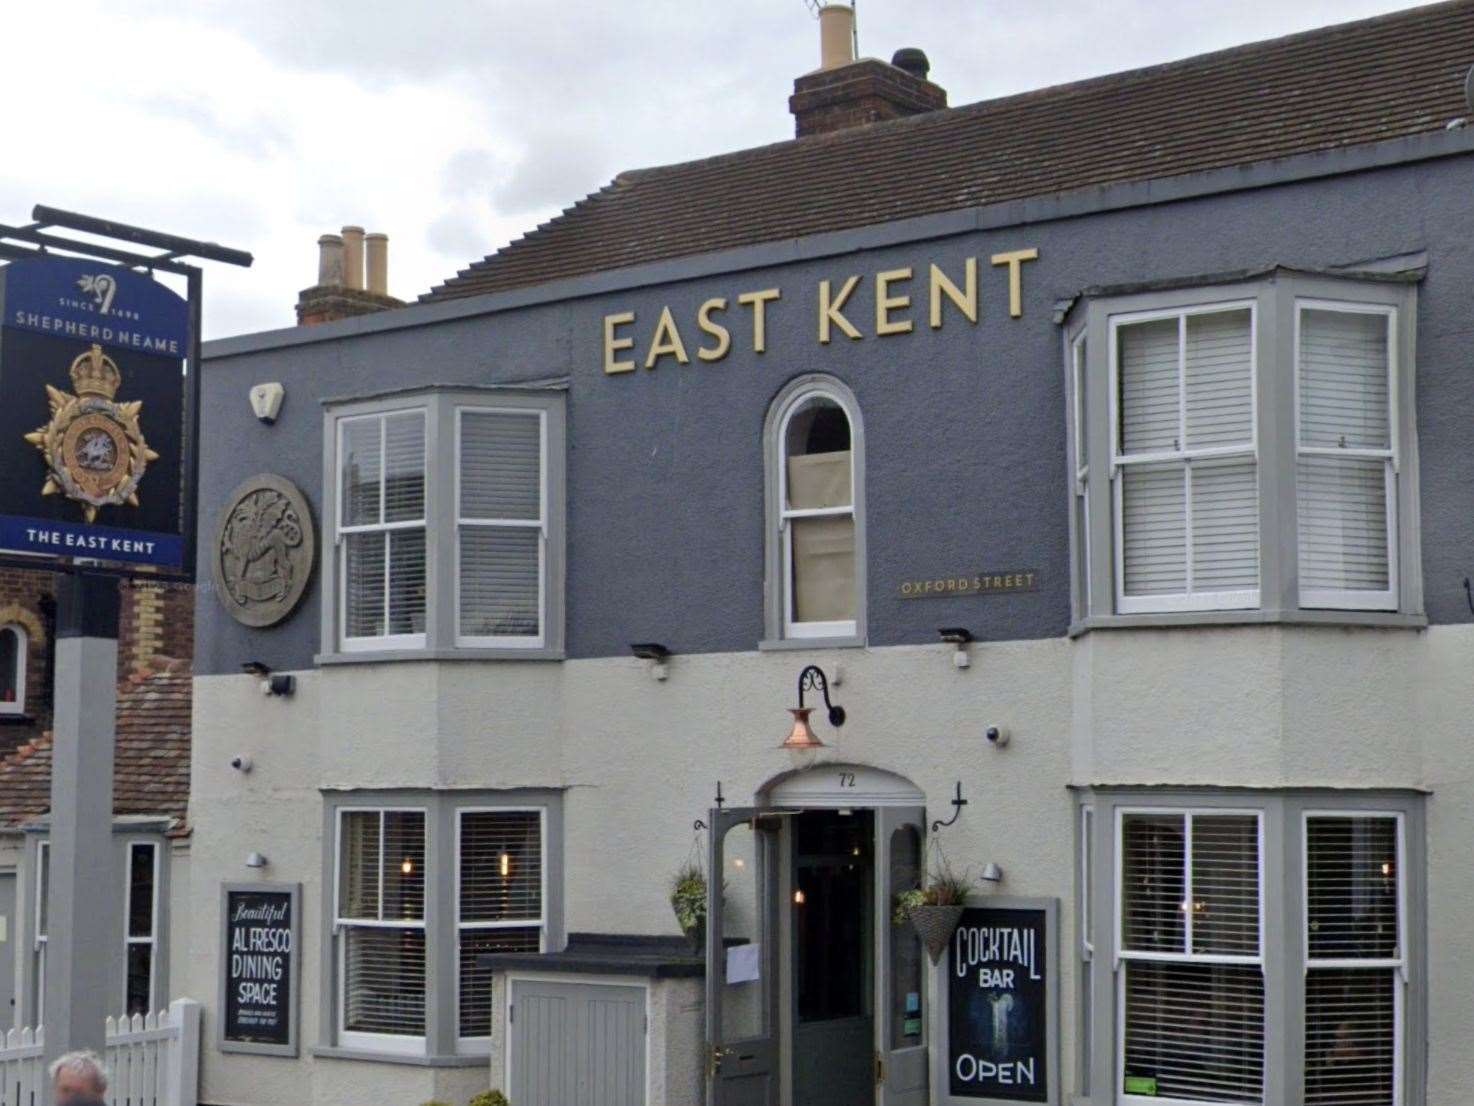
x=741 y=959
x=900 y=1001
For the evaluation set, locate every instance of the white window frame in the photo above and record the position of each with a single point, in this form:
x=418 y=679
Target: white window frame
x=462 y=521
x=152 y=940
x=481 y=1046
x=342 y=531
x=1342 y=598
x=1188 y=813
x=1081 y=484
x=786 y=515
x=1188 y=600
x=43 y=863
x=1398 y=964
x=22 y=646
x=403 y=1044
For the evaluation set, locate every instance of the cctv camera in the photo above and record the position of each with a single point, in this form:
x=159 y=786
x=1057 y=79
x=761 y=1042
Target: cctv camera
x=241 y=764
x=997 y=736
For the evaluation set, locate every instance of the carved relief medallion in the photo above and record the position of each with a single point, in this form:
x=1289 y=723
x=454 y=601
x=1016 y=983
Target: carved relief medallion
x=263 y=552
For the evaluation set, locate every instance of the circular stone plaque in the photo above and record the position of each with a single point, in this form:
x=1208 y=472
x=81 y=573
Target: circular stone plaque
x=263 y=551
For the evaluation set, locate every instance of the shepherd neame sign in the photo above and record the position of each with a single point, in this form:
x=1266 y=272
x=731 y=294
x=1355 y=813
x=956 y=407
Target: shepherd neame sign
x=630 y=342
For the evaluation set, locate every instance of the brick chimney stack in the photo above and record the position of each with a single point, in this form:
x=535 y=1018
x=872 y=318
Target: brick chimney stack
x=845 y=92
x=352 y=278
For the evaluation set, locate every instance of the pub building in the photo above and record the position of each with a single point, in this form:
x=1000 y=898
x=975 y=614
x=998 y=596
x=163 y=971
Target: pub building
x=1102 y=453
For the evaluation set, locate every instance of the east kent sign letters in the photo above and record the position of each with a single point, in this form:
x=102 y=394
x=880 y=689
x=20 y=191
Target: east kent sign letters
x=93 y=425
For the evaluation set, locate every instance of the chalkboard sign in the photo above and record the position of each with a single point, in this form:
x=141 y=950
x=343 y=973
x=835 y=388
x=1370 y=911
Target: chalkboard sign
x=999 y=996
x=259 y=967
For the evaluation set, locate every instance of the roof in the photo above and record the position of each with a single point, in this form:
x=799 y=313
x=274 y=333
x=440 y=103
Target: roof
x=150 y=765
x=1394 y=76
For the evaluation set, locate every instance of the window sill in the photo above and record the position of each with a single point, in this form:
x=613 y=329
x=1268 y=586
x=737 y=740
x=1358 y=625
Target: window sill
x=780 y=645
x=385 y=656
x=1388 y=620
x=333 y=1053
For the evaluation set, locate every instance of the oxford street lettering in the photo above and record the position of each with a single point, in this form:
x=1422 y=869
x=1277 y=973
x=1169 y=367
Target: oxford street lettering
x=997 y=1006
x=261 y=934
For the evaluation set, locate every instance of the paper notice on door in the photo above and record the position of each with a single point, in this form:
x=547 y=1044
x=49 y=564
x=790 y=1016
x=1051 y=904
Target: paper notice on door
x=743 y=963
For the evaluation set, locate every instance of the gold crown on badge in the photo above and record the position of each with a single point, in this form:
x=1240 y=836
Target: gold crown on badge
x=94 y=373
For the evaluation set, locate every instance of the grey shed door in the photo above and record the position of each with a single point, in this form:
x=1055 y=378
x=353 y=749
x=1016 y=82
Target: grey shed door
x=576 y=1044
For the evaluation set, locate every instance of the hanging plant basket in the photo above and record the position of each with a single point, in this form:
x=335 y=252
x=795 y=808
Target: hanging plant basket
x=935 y=926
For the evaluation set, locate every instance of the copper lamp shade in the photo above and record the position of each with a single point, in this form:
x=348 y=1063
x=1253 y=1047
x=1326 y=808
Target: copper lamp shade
x=801 y=738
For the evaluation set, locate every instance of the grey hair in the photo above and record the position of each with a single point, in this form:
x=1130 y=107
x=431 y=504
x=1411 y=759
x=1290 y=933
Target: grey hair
x=86 y=1063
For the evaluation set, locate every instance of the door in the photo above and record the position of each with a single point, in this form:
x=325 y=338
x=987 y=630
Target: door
x=900 y=1006
x=7 y=951
x=741 y=958
x=576 y=1043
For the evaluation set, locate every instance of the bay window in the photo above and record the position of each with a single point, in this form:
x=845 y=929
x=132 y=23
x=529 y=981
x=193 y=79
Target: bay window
x=1253 y=448
x=1263 y=950
x=449 y=521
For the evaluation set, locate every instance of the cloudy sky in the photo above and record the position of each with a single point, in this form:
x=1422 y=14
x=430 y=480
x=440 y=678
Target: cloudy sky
x=455 y=125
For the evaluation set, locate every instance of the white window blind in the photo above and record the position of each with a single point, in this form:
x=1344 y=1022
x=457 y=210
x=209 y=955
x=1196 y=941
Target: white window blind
x=1345 y=471
x=499 y=883
x=381 y=528
x=1354 y=959
x=1191 y=957
x=1186 y=462
x=139 y=928
x=381 y=922
x=817 y=518
x=502 y=527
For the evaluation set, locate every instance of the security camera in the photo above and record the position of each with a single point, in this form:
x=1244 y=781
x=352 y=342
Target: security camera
x=997 y=736
x=266 y=401
x=241 y=763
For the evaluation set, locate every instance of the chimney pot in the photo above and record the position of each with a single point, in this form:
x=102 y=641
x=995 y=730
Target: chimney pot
x=911 y=60
x=353 y=257
x=836 y=36
x=330 y=261
x=376 y=247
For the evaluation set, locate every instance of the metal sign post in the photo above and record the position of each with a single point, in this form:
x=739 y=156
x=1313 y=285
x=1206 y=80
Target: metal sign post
x=113 y=493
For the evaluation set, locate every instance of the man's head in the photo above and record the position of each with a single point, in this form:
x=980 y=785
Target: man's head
x=77 y=1077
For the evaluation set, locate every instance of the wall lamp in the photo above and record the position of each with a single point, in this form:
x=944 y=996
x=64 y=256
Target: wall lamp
x=958 y=636
x=271 y=684
x=801 y=739
x=656 y=654
x=256 y=860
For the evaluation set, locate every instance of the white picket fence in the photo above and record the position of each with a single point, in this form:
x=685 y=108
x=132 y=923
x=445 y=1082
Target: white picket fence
x=151 y=1061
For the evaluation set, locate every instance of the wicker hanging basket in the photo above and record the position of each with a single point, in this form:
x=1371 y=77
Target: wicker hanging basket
x=935 y=925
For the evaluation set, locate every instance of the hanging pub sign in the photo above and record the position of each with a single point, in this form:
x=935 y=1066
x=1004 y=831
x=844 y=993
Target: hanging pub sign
x=999 y=999
x=93 y=429
x=258 y=1001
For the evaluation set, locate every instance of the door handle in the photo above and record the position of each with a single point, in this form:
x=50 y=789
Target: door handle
x=714 y=1055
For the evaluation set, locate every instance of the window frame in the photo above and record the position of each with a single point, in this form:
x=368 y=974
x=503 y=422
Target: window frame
x=152 y=940
x=348 y=1038
x=1275 y=294
x=1345 y=598
x=462 y=521
x=22 y=647
x=781 y=631
x=40 y=942
x=481 y=1046
x=1120 y=462
x=441 y=639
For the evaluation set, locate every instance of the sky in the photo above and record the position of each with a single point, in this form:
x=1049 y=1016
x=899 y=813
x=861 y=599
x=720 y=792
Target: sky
x=454 y=126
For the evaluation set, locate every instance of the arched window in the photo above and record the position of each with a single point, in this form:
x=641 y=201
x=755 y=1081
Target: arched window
x=12 y=669
x=816 y=518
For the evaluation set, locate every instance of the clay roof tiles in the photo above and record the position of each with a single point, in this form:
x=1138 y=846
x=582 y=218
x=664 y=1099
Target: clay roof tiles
x=1394 y=76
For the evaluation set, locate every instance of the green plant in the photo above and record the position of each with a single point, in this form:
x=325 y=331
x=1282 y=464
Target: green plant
x=489 y=1098
x=688 y=896
x=434 y=1102
x=907 y=901
x=944 y=888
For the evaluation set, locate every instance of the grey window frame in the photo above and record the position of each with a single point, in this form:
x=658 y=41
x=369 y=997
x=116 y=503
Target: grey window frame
x=1275 y=297
x=442 y=406
x=1282 y=920
x=442 y=1045
x=775 y=585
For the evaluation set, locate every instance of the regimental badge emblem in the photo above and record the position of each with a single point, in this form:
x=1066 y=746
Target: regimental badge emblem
x=93 y=445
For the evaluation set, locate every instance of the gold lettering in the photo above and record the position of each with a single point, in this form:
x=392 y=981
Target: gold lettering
x=964 y=301
x=716 y=330
x=757 y=301
x=829 y=312
x=1014 y=259
x=613 y=345
x=666 y=341
x=885 y=303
